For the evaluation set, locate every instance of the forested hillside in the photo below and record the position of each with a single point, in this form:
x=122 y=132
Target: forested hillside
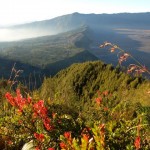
x=82 y=81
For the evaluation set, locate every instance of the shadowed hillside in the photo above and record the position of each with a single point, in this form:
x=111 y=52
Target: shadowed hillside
x=48 y=54
x=47 y=50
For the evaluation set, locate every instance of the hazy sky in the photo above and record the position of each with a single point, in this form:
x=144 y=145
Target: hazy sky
x=22 y=11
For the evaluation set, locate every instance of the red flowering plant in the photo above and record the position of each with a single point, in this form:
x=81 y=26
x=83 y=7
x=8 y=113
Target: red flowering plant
x=114 y=130
x=137 y=142
x=29 y=120
x=90 y=139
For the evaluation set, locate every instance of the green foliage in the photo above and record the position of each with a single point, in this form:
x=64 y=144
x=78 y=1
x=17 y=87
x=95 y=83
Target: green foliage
x=90 y=106
x=81 y=81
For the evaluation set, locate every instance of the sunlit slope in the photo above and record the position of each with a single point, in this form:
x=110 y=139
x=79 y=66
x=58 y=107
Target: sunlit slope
x=80 y=82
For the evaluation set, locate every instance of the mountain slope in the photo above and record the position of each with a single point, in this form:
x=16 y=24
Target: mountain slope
x=76 y=20
x=49 y=54
x=80 y=82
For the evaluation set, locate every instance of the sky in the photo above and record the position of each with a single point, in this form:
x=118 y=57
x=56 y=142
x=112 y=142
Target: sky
x=24 y=11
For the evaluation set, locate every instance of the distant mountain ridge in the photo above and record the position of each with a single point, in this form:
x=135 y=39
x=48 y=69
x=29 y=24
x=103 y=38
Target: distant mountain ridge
x=76 y=20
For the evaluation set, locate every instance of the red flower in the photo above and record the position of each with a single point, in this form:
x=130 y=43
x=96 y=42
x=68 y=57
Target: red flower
x=51 y=148
x=29 y=100
x=10 y=98
x=62 y=145
x=46 y=122
x=85 y=134
x=17 y=101
x=85 y=137
x=20 y=101
x=98 y=100
x=40 y=109
x=39 y=137
x=67 y=135
x=137 y=142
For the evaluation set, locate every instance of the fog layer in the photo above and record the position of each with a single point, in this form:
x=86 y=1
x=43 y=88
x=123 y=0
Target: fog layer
x=7 y=34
